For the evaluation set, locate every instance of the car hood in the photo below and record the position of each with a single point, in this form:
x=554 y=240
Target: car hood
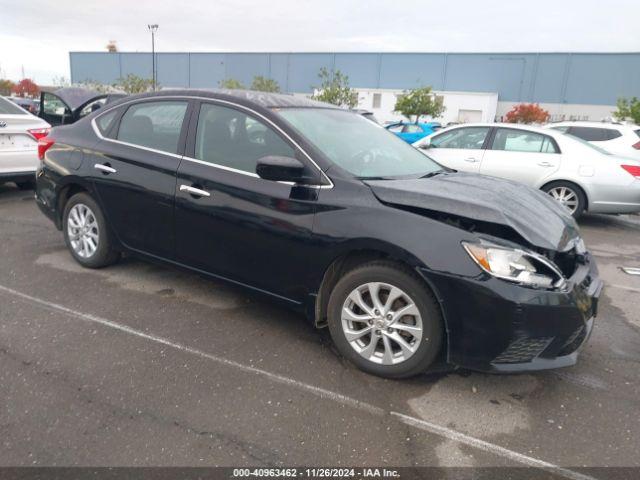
x=534 y=215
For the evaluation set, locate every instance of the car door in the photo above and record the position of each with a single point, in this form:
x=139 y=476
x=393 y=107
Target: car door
x=521 y=155
x=460 y=148
x=54 y=110
x=230 y=222
x=134 y=172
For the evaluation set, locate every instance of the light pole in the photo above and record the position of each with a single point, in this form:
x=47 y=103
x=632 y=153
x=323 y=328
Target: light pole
x=152 y=28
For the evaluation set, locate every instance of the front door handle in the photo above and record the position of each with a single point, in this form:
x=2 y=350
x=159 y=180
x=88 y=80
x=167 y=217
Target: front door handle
x=196 y=192
x=104 y=168
x=471 y=160
x=545 y=164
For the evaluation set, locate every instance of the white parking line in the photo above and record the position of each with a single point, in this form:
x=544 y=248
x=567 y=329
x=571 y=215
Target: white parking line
x=317 y=391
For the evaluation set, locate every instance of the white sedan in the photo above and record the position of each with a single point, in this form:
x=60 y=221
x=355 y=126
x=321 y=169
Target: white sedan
x=579 y=175
x=19 y=135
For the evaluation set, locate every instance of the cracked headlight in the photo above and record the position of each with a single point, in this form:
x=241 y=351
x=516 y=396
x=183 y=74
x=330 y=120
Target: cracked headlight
x=515 y=265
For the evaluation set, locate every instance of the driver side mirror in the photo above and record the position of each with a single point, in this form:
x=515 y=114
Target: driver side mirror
x=283 y=169
x=426 y=145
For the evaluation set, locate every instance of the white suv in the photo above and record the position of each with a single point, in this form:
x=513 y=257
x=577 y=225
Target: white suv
x=616 y=138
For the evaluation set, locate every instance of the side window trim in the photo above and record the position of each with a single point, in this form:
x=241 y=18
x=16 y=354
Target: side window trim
x=115 y=126
x=189 y=151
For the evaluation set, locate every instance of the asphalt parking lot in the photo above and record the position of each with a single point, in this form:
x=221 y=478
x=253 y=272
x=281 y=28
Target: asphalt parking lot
x=141 y=364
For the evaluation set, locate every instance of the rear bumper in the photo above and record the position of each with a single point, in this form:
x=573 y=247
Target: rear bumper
x=23 y=162
x=496 y=326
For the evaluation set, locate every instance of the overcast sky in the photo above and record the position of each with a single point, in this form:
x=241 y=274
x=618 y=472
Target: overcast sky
x=37 y=35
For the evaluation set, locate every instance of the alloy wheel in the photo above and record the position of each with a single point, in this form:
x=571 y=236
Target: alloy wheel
x=567 y=197
x=83 y=230
x=382 y=323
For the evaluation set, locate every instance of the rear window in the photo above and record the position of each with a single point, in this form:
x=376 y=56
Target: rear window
x=638 y=133
x=7 y=107
x=592 y=134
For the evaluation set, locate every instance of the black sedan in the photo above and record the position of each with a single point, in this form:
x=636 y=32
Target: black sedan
x=406 y=262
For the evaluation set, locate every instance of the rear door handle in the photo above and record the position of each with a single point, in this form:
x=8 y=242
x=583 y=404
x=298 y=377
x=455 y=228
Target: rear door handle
x=545 y=164
x=471 y=160
x=194 y=191
x=104 y=168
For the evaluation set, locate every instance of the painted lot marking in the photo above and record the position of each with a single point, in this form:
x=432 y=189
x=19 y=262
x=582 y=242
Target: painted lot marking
x=418 y=423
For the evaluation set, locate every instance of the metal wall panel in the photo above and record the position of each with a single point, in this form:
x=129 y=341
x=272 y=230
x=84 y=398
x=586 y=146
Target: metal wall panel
x=206 y=70
x=96 y=67
x=614 y=76
x=411 y=70
x=361 y=68
x=279 y=69
x=548 y=85
x=139 y=64
x=244 y=66
x=596 y=79
x=304 y=68
x=173 y=69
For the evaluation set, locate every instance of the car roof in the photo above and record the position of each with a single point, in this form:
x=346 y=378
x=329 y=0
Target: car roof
x=516 y=126
x=593 y=124
x=246 y=97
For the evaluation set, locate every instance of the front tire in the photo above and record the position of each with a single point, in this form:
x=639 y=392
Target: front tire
x=569 y=196
x=384 y=319
x=86 y=233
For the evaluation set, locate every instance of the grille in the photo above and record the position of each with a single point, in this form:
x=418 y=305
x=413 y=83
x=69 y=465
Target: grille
x=573 y=342
x=523 y=350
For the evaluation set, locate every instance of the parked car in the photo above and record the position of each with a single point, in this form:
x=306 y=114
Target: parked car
x=617 y=138
x=582 y=177
x=31 y=106
x=19 y=135
x=412 y=132
x=408 y=263
x=68 y=105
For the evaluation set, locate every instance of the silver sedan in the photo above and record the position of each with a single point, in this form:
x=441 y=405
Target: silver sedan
x=581 y=176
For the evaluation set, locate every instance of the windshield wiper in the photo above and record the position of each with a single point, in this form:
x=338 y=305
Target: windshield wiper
x=433 y=174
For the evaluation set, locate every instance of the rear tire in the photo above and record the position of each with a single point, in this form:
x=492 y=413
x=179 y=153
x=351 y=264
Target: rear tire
x=569 y=195
x=385 y=341
x=86 y=233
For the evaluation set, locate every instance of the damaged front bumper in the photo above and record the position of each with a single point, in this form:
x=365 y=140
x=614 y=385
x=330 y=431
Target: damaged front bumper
x=498 y=326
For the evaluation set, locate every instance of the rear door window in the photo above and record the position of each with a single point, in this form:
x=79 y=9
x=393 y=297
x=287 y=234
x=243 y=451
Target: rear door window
x=522 y=141
x=154 y=125
x=469 y=138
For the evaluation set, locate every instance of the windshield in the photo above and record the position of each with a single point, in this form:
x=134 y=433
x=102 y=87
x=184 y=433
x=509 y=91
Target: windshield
x=9 y=108
x=358 y=145
x=587 y=144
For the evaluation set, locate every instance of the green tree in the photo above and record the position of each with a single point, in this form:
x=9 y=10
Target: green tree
x=334 y=88
x=628 y=109
x=231 y=84
x=262 y=84
x=6 y=86
x=133 y=84
x=419 y=102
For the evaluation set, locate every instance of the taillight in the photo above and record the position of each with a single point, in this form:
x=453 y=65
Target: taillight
x=44 y=144
x=39 y=133
x=636 y=146
x=632 y=169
